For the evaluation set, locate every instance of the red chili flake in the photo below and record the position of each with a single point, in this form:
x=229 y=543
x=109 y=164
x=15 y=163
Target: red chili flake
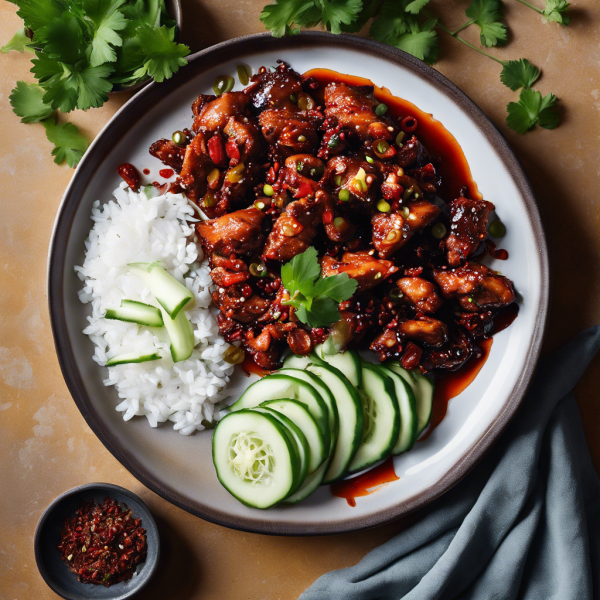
x=246 y=291
x=327 y=217
x=303 y=191
x=233 y=152
x=216 y=150
x=131 y=176
x=146 y=171
x=102 y=543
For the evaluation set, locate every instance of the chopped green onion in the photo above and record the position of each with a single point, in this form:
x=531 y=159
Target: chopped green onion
x=222 y=84
x=382 y=146
x=438 y=231
x=305 y=102
x=361 y=180
x=369 y=160
x=497 y=229
x=179 y=138
x=344 y=195
x=333 y=141
x=381 y=109
x=260 y=205
x=408 y=193
x=244 y=71
x=268 y=190
x=301 y=138
x=299 y=164
x=400 y=138
x=395 y=295
x=405 y=212
x=339 y=222
x=258 y=269
x=294 y=98
x=337 y=179
x=383 y=206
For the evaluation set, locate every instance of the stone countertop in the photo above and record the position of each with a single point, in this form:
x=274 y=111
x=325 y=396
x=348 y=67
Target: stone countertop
x=47 y=448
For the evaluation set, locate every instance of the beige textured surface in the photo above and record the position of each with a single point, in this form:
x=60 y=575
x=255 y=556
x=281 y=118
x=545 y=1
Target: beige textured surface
x=45 y=446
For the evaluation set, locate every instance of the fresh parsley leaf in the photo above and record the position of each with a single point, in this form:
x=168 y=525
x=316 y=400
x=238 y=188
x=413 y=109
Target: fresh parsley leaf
x=62 y=39
x=416 y=6
x=19 y=42
x=486 y=14
x=420 y=41
x=107 y=21
x=339 y=287
x=532 y=109
x=315 y=302
x=518 y=74
x=69 y=144
x=27 y=102
x=140 y=12
x=555 y=11
x=391 y=23
x=281 y=16
x=337 y=13
x=163 y=56
x=370 y=9
x=37 y=13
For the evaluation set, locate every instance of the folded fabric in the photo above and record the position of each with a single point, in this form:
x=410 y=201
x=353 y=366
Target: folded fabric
x=524 y=524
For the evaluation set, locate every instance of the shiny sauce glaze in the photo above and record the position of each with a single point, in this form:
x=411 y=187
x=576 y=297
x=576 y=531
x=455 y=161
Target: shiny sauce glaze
x=166 y=173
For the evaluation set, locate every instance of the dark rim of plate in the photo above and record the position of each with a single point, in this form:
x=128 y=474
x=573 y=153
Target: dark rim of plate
x=204 y=61
x=148 y=523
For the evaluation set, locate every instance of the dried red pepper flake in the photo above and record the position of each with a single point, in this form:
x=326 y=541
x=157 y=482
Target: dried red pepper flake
x=103 y=543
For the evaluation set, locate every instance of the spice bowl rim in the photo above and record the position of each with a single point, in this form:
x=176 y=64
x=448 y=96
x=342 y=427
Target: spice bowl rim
x=87 y=591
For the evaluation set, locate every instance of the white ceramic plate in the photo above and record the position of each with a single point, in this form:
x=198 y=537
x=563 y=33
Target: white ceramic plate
x=180 y=468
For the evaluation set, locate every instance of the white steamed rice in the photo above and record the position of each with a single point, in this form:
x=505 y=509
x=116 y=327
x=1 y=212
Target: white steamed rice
x=136 y=228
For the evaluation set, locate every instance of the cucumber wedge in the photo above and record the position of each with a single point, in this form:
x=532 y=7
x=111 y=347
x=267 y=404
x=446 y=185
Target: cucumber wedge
x=327 y=396
x=131 y=357
x=423 y=389
x=254 y=459
x=181 y=335
x=351 y=418
x=136 y=312
x=297 y=362
x=277 y=387
x=299 y=415
x=298 y=440
x=169 y=293
x=348 y=362
x=382 y=419
x=408 y=412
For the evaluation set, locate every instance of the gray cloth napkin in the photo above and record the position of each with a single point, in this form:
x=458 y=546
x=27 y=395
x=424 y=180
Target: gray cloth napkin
x=524 y=524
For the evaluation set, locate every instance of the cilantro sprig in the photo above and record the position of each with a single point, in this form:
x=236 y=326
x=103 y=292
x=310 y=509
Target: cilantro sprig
x=410 y=26
x=83 y=48
x=315 y=298
x=532 y=109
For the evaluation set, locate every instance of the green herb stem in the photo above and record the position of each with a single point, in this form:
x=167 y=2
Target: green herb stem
x=531 y=6
x=463 y=27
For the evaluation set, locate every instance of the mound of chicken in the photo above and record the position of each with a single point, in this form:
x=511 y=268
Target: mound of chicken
x=287 y=164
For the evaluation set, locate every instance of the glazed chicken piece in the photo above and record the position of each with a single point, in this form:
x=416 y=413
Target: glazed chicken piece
x=170 y=153
x=426 y=330
x=196 y=167
x=275 y=89
x=412 y=154
x=238 y=233
x=214 y=114
x=360 y=178
x=450 y=356
x=291 y=132
x=301 y=172
x=468 y=228
x=233 y=304
x=294 y=230
x=354 y=110
x=367 y=270
x=420 y=293
x=475 y=286
x=337 y=219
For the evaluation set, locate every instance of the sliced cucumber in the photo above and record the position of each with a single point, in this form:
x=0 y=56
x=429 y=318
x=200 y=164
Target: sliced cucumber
x=407 y=435
x=277 y=387
x=423 y=388
x=254 y=459
x=170 y=293
x=298 y=440
x=296 y=362
x=132 y=357
x=310 y=485
x=181 y=334
x=327 y=396
x=299 y=415
x=382 y=418
x=350 y=415
x=136 y=312
x=347 y=362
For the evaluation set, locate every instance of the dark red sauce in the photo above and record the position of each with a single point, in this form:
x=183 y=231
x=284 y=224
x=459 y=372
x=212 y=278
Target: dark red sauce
x=166 y=173
x=453 y=168
x=103 y=543
x=146 y=171
x=451 y=385
x=365 y=484
x=494 y=253
x=249 y=366
x=504 y=317
x=161 y=187
x=130 y=174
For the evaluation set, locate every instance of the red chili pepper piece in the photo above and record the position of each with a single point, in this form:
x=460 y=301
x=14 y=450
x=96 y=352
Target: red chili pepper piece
x=304 y=190
x=409 y=124
x=327 y=217
x=216 y=150
x=233 y=152
x=131 y=176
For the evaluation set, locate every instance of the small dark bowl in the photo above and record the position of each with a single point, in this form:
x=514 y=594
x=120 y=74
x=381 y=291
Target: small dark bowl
x=47 y=537
x=174 y=9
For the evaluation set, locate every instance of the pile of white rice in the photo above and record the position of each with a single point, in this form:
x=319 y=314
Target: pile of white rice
x=137 y=228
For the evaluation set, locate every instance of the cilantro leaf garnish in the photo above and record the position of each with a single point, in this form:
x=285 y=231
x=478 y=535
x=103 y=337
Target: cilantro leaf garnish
x=487 y=14
x=420 y=41
x=518 y=74
x=107 y=21
x=19 y=42
x=555 y=11
x=69 y=144
x=416 y=6
x=27 y=102
x=315 y=298
x=369 y=10
x=532 y=109
x=37 y=13
x=336 y=13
